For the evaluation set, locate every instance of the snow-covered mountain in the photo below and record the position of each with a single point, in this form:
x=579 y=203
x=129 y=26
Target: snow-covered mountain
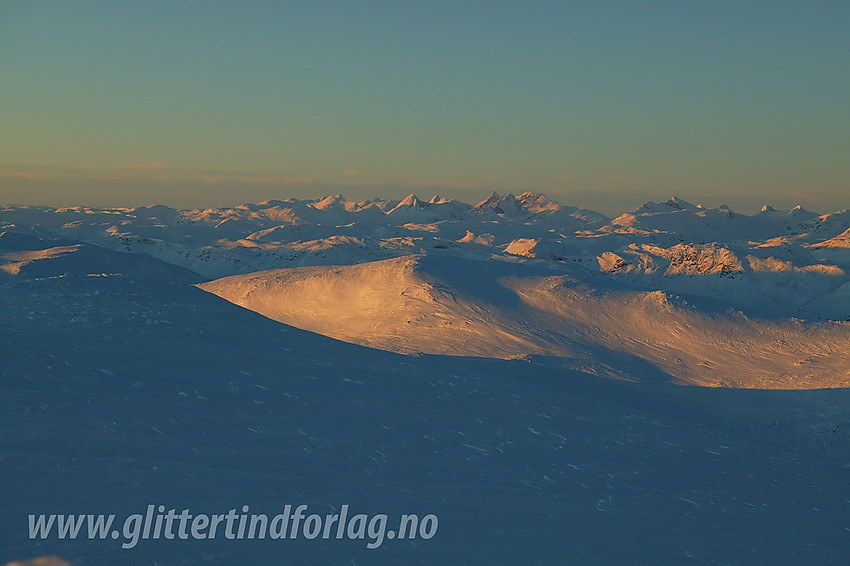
x=32 y=257
x=670 y=246
x=701 y=293
x=464 y=307
x=126 y=382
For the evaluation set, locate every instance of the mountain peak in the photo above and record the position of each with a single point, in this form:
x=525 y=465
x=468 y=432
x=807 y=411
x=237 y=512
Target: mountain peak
x=672 y=204
x=328 y=202
x=679 y=203
x=411 y=200
x=490 y=200
x=536 y=203
x=800 y=212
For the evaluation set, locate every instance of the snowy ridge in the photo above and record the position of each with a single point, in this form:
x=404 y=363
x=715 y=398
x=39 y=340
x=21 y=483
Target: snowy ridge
x=374 y=273
x=458 y=306
x=31 y=257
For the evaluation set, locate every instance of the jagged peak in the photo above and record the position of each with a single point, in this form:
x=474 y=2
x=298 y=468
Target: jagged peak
x=799 y=211
x=537 y=202
x=672 y=204
x=527 y=203
x=329 y=201
x=491 y=200
x=680 y=203
x=411 y=200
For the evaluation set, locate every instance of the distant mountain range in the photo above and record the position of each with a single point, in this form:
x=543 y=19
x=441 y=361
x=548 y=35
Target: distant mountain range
x=696 y=293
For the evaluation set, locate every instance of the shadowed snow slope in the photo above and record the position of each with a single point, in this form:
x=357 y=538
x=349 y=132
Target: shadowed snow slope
x=117 y=394
x=501 y=309
x=31 y=257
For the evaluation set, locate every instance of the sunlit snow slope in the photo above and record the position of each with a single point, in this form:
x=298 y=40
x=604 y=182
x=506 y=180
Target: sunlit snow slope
x=449 y=305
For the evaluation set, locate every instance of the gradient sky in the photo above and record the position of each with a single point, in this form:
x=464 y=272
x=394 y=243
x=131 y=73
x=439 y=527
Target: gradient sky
x=598 y=104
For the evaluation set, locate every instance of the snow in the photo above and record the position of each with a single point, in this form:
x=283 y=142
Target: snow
x=595 y=407
x=840 y=241
x=458 y=306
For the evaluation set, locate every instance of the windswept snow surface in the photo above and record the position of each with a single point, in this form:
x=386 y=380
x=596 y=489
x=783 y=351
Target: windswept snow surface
x=125 y=385
x=458 y=306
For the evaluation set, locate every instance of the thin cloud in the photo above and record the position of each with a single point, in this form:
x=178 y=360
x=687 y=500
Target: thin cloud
x=30 y=175
x=279 y=180
x=42 y=171
x=150 y=172
x=803 y=195
x=365 y=179
x=148 y=166
x=218 y=173
x=420 y=183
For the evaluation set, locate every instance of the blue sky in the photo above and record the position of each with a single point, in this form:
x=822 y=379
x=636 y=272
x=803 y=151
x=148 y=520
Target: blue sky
x=597 y=104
